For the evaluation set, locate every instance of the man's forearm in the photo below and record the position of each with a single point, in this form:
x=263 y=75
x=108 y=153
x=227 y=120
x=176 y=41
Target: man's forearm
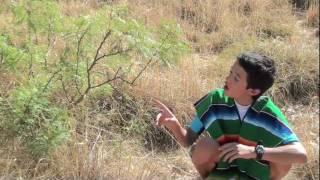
x=288 y=154
x=179 y=133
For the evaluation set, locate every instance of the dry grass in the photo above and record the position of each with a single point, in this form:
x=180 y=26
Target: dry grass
x=76 y=8
x=313 y=15
x=118 y=158
x=212 y=25
x=182 y=85
x=304 y=120
x=98 y=154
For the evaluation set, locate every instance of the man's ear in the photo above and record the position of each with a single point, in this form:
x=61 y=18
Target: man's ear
x=254 y=92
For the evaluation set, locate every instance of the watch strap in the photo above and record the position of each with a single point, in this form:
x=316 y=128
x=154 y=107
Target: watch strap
x=259 y=150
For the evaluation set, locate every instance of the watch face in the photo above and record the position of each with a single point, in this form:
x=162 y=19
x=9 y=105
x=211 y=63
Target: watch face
x=260 y=149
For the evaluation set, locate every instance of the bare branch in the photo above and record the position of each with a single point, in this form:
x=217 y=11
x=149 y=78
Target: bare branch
x=88 y=74
x=51 y=43
x=78 y=57
x=109 y=80
x=143 y=69
x=95 y=60
x=98 y=50
x=31 y=73
x=50 y=79
x=78 y=47
x=89 y=68
x=92 y=87
x=1 y=59
x=139 y=74
x=64 y=89
x=114 y=53
x=44 y=89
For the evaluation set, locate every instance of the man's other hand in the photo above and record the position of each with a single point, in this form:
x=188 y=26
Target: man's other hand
x=231 y=151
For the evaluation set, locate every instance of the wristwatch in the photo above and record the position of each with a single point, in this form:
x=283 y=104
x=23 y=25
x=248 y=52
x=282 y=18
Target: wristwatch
x=259 y=150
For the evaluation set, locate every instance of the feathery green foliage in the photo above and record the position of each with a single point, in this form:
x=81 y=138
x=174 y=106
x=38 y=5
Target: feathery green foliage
x=76 y=56
x=29 y=116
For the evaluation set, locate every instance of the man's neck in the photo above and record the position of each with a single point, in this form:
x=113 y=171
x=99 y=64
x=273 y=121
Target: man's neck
x=244 y=101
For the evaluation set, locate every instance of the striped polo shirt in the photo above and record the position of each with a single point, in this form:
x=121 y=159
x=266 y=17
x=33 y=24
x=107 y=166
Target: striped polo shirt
x=218 y=115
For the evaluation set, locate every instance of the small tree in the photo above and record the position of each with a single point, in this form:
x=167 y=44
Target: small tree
x=72 y=55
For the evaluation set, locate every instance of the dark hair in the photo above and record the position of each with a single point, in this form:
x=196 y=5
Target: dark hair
x=260 y=69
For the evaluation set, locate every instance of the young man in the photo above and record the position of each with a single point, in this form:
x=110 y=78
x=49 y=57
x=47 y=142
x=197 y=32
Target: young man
x=248 y=132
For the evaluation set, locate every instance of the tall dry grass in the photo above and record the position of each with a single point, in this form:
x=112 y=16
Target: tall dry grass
x=184 y=84
x=313 y=15
x=304 y=122
x=210 y=26
x=98 y=152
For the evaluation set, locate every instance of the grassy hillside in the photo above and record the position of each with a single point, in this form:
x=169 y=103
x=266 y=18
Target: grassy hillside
x=77 y=79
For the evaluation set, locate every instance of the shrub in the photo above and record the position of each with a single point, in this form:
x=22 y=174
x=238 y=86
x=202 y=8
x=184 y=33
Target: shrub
x=28 y=116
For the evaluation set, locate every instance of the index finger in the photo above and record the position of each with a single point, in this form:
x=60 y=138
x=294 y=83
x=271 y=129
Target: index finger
x=160 y=105
x=227 y=145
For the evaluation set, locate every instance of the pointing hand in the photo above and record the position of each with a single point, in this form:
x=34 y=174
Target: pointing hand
x=165 y=117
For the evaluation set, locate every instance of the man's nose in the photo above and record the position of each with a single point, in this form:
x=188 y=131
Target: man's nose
x=227 y=78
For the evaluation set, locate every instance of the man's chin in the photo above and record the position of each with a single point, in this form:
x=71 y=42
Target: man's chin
x=226 y=93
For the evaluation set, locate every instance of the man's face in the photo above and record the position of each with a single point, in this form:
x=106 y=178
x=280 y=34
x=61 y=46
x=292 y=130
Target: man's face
x=236 y=82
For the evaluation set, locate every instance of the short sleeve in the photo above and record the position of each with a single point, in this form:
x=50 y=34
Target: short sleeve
x=196 y=125
x=202 y=105
x=291 y=138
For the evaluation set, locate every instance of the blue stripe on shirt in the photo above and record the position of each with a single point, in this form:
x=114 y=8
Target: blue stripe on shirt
x=196 y=125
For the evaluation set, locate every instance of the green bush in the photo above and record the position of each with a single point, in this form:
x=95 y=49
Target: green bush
x=93 y=50
x=28 y=116
x=9 y=54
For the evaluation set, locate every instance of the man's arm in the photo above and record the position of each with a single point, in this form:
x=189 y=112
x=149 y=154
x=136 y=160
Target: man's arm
x=286 y=154
x=186 y=137
x=166 y=118
x=178 y=132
